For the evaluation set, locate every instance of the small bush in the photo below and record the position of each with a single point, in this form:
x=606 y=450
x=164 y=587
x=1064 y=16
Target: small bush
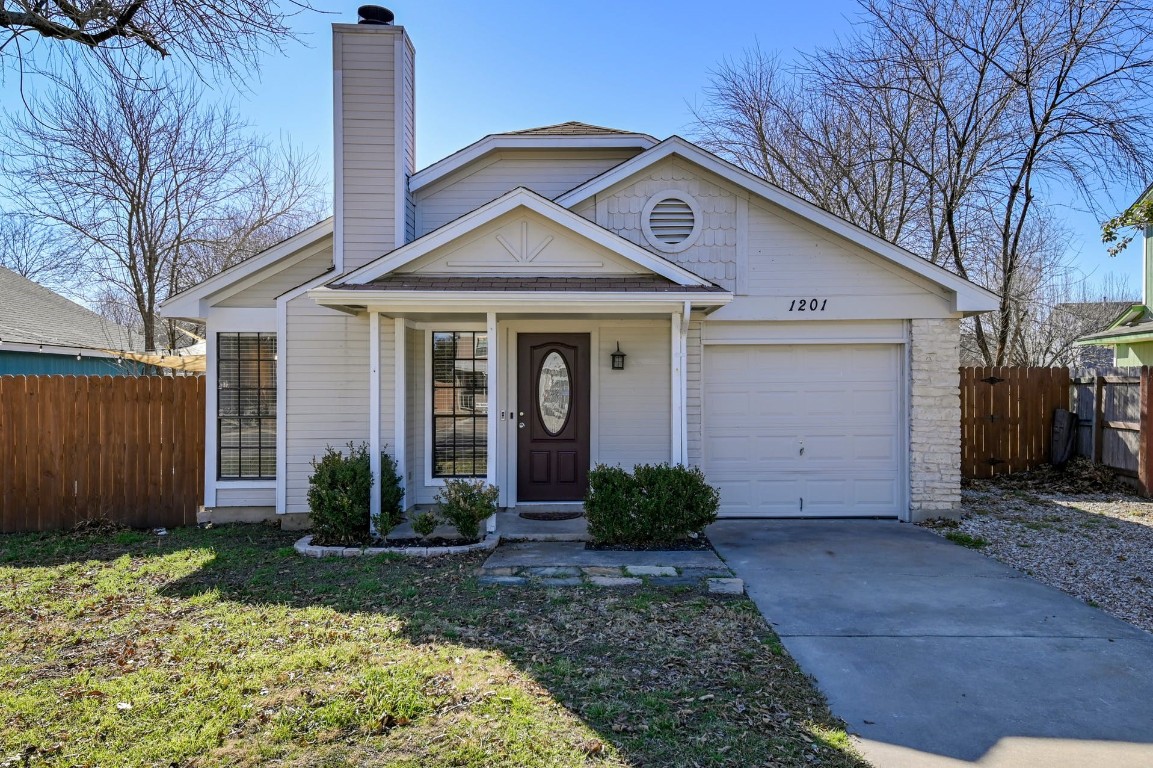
x=391 y=495
x=425 y=523
x=656 y=504
x=338 y=495
x=966 y=540
x=466 y=504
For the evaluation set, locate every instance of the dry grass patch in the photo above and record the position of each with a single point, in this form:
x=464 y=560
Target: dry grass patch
x=221 y=647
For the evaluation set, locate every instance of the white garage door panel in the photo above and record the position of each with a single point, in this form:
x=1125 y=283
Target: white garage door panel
x=841 y=404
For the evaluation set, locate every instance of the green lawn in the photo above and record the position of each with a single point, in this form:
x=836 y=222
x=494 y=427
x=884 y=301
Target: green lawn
x=222 y=647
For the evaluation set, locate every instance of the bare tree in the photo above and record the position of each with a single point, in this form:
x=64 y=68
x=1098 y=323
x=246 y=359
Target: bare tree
x=27 y=248
x=985 y=106
x=142 y=183
x=221 y=36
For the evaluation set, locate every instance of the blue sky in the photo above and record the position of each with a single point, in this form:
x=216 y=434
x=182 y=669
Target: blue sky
x=485 y=67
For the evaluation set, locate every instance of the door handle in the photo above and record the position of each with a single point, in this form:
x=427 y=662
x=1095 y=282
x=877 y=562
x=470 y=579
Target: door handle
x=520 y=426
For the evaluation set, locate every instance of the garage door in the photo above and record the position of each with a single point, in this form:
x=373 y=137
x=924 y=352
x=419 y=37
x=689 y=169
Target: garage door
x=811 y=431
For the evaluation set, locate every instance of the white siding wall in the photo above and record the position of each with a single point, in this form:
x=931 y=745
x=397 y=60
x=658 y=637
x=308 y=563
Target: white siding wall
x=264 y=293
x=693 y=356
x=633 y=411
x=245 y=497
x=371 y=120
x=326 y=389
x=417 y=418
x=547 y=172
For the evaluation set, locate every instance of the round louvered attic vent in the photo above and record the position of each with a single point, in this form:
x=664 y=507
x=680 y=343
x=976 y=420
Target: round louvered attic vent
x=671 y=221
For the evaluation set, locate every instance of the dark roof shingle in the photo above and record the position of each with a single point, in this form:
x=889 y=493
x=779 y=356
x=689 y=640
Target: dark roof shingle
x=571 y=128
x=33 y=314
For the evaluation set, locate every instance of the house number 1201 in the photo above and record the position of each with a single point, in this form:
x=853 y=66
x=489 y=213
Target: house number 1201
x=808 y=305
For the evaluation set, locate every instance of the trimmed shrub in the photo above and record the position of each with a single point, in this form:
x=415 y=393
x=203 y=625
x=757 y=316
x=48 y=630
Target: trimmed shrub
x=425 y=523
x=338 y=495
x=656 y=504
x=466 y=504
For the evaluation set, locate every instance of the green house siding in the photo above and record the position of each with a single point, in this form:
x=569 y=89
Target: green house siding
x=1132 y=355
x=45 y=364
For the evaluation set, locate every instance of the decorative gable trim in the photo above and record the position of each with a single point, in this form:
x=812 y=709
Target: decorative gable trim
x=522 y=198
x=970 y=297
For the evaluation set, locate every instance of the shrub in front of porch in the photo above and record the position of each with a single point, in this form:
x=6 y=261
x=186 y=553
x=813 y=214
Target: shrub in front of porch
x=466 y=504
x=655 y=504
x=339 y=493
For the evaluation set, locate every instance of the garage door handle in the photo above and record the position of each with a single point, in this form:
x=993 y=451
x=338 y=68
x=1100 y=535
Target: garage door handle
x=802 y=450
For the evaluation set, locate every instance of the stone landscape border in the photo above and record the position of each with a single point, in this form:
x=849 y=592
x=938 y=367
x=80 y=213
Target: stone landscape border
x=305 y=547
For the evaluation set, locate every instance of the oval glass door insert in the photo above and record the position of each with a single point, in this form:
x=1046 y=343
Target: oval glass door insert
x=554 y=393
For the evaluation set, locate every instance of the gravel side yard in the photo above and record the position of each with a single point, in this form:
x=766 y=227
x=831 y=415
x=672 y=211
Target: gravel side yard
x=1097 y=546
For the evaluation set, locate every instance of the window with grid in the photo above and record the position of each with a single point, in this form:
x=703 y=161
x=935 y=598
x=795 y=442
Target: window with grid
x=459 y=404
x=246 y=406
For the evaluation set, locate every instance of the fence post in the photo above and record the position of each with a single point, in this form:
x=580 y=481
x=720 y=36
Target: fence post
x=1098 y=419
x=1144 y=446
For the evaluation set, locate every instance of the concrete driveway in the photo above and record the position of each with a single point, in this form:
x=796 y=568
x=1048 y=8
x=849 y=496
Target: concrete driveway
x=936 y=655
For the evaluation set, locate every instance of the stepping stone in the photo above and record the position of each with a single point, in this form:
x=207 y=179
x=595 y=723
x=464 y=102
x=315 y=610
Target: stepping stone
x=615 y=581
x=726 y=586
x=552 y=571
x=503 y=581
x=567 y=581
x=651 y=570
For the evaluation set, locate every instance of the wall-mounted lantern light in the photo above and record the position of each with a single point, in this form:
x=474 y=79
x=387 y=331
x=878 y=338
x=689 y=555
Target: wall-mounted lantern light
x=618 y=358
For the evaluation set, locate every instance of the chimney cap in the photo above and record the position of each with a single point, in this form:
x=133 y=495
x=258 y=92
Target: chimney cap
x=375 y=14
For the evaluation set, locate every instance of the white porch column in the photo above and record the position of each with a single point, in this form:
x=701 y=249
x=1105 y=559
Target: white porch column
x=399 y=439
x=374 y=415
x=684 y=383
x=493 y=403
x=677 y=400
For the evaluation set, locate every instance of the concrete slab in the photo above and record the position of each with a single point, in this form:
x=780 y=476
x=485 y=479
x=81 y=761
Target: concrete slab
x=513 y=527
x=936 y=655
x=539 y=554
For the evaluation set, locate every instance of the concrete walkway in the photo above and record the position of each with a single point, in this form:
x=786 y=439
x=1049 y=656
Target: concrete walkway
x=937 y=656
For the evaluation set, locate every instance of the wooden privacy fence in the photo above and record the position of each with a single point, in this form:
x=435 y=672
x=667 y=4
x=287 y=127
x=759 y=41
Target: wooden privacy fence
x=127 y=449
x=1007 y=417
x=1115 y=420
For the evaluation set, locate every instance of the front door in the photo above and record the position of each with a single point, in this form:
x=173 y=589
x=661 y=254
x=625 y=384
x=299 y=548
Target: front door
x=552 y=416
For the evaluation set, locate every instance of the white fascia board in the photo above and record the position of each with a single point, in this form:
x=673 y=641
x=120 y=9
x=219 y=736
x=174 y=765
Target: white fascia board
x=509 y=301
x=189 y=304
x=522 y=198
x=498 y=142
x=970 y=297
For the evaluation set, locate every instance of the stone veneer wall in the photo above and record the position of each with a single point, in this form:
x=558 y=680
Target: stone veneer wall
x=935 y=419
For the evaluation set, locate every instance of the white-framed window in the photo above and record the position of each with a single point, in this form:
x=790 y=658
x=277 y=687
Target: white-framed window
x=246 y=406
x=459 y=412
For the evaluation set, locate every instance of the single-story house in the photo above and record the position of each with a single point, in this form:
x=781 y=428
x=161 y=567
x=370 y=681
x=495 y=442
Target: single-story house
x=43 y=333
x=547 y=300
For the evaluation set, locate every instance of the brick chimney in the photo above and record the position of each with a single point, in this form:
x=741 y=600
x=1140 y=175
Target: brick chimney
x=374 y=137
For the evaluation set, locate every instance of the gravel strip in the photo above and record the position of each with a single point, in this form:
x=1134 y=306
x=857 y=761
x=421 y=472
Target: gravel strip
x=1097 y=547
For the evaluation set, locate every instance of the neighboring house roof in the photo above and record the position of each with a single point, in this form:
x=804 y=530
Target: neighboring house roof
x=1134 y=324
x=571 y=128
x=33 y=314
x=970 y=296
x=614 y=284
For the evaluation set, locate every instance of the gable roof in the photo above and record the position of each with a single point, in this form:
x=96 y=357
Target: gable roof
x=186 y=303
x=519 y=198
x=970 y=296
x=571 y=128
x=33 y=314
x=571 y=135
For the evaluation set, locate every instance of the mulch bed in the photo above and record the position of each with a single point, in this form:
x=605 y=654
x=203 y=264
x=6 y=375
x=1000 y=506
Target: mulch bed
x=415 y=541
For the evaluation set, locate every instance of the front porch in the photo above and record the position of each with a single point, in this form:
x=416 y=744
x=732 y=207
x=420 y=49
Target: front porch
x=510 y=525
x=526 y=401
